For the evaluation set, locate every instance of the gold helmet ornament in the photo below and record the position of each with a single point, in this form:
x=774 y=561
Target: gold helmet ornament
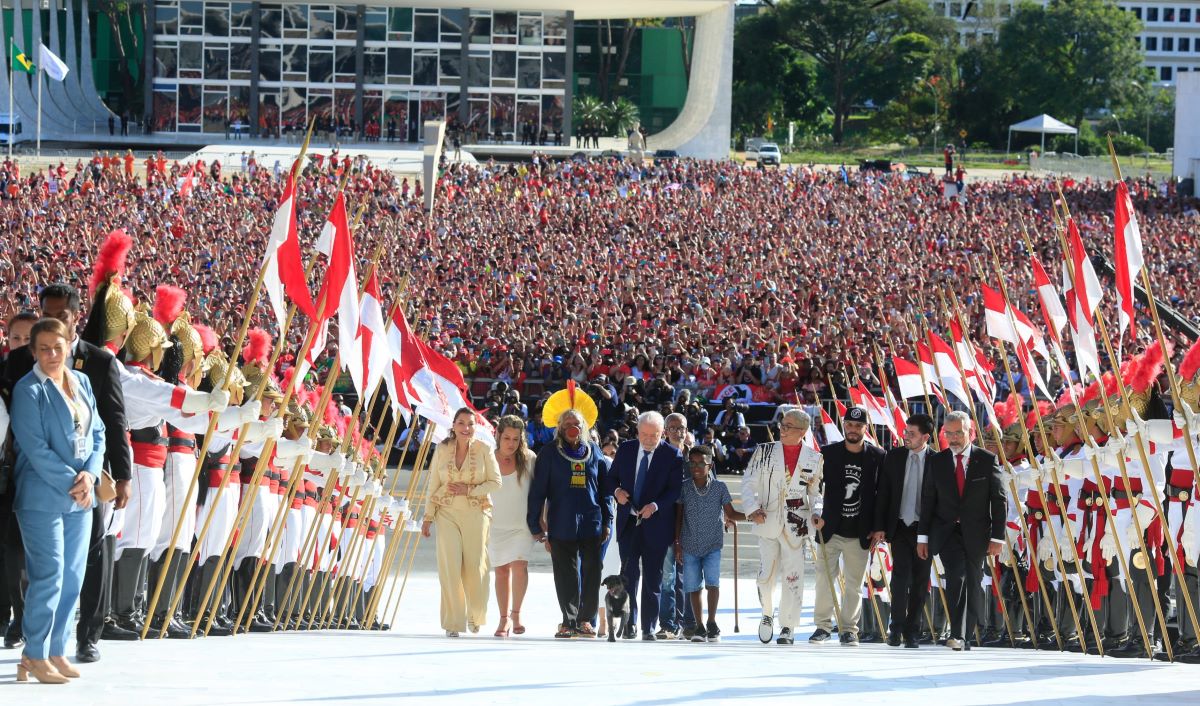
x=563 y=401
x=217 y=366
x=112 y=312
x=255 y=359
x=168 y=310
x=146 y=340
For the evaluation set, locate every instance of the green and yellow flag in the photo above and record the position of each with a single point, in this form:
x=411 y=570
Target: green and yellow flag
x=20 y=62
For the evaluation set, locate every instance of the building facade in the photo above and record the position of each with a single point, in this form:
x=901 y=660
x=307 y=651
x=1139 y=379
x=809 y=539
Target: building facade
x=272 y=66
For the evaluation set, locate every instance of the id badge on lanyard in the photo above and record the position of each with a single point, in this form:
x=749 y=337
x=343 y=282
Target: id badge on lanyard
x=80 y=442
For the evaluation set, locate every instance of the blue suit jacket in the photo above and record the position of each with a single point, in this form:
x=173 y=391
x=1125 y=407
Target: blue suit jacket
x=573 y=513
x=664 y=478
x=44 y=434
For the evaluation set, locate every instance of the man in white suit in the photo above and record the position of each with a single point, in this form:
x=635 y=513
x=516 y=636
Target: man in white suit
x=782 y=482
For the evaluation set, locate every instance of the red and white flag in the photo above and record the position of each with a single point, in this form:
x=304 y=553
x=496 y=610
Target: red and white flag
x=372 y=337
x=1083 y=292
x=948 y=374
x=909 y=379
x=1127 y=258
x=340 y=288
x=284 y=269
x=406 y=361
x=1048 y=297
x=997 y=313
x=832 y=433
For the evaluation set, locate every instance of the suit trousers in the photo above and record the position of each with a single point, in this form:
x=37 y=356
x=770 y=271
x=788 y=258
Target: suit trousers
x=910 y=582
x=848 y=552
x=95 y=598
x=778 y=560
x=576 y=566
x=644 y=563
x=12 y=589
x=964 y=584
x=462 y=533
x=56 y=548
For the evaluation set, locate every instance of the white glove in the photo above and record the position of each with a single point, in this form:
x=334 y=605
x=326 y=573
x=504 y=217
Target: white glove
x=348 y=467
x=399 y=505
x=1077 y=467
x=290 y=450
x=1108 y=548
x=261 y=431
x=1159 y=431
x=1045 y=548
x=1136 y=421
x=358 y=480
x=1185 y=418
x=326 y=462
x=196 y=402
x=251 y=411
x=374 y=488
x=1052 y=462
x=236 y=416
x=1145 y=515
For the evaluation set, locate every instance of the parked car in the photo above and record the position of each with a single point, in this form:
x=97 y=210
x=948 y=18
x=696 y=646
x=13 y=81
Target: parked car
x=665 y=156
x=768 y=153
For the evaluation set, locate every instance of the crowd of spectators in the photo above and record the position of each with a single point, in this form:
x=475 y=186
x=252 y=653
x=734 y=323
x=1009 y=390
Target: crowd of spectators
x=652 y=287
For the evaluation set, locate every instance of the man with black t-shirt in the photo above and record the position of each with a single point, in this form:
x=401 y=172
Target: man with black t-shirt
x=843 y=516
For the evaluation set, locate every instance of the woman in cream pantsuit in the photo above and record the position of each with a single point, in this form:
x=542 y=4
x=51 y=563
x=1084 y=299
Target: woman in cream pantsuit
x=463 y=473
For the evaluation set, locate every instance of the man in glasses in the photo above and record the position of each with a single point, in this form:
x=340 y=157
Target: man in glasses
x=674 y=611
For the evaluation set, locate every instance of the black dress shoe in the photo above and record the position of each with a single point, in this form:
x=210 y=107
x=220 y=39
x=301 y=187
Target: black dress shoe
x=131 y=622
x=87 y=653
x=893 y=639
x=217 y=629
x=175 y=631
x=260 y=624
x=911 y=642
x=112 y=631
x=1130 y=650
x=630 y=633
x=870 y=638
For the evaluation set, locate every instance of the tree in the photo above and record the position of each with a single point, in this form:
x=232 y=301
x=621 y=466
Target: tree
x=620 y=116
x=1070 y=57
x=771 y=78
x=859 y=47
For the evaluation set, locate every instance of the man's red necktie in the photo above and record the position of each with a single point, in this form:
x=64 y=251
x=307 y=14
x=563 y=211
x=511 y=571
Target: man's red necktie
x=960 y=474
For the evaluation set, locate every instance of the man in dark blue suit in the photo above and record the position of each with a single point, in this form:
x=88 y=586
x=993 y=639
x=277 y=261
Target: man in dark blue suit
x=645 y=479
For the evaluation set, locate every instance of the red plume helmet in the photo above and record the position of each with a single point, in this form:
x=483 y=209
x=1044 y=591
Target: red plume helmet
x=1191 y=362
x=258 y=347
x=1145 y=369
x=1008 y=412
x=110 y=259
x=208 y=338
x=1045 y=407
x=168 y=304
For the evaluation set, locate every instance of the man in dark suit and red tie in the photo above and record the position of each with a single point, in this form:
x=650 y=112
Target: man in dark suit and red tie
x=645 y=479
x=963 y=511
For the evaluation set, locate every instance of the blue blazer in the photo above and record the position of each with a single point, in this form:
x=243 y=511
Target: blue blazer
x=663 y=481
x=573 y=513
x=44 y=434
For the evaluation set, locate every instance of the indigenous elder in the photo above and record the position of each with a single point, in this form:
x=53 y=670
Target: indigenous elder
x=463 y=473
x=569 y=481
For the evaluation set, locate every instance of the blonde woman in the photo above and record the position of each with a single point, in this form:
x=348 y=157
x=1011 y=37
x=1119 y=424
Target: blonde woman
x=463 y=474
x=510 y=544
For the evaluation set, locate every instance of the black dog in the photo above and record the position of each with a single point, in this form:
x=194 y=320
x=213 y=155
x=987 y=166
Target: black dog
x=616 y=604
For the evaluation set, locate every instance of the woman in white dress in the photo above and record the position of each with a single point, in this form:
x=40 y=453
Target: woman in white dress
x=509 y=543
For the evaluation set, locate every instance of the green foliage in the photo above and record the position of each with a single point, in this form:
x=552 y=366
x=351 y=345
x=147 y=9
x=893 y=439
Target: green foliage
x=1128 y=144
x=772 y=79
x=620 y=116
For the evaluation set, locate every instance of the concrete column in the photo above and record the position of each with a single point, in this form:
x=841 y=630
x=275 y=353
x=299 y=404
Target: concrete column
x=255 y=50
x=360 y=38
x=569 y=83
x=147 y=66
x=464 y=113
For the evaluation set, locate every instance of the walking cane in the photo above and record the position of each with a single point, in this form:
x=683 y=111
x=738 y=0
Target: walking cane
x=736 y=626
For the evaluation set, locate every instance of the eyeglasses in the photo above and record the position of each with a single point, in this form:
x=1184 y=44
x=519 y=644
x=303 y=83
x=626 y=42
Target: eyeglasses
x=794 y=427
x=676 y=428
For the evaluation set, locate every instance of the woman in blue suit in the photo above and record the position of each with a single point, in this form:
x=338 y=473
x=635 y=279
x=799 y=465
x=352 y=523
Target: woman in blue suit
x=60 y=451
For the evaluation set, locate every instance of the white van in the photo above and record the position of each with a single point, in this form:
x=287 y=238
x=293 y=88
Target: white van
x=10 y=128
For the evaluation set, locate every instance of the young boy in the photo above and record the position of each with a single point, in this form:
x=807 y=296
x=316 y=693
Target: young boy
x=705 y=509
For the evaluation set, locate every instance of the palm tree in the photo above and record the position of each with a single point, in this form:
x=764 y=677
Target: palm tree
x=587 y=112
x=620 y=116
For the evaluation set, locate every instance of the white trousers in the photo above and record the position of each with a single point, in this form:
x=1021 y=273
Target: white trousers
x=779 y=561
x=144 y=511
x=177 y=479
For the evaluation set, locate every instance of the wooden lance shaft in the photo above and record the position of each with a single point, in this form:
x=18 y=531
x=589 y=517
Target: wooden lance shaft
x=394 y=544
x=411 y=554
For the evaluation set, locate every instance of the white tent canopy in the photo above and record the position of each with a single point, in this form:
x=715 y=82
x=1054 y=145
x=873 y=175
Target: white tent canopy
x=1043 y=124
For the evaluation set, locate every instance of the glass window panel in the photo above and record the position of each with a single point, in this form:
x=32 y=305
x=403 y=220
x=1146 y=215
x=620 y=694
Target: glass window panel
x=504 y=23
x=552 y=113
x=295 y=58
x=504 y=64
x=479 y=70
x=425 y=28
x=425 y=68
x=166 y=22
x=399 y=61
x=216 y=111
x=239 y=103
x=320 y=107
x=347 y=18
x=239 y=57
x=529 y=112
x=477 y=117
x=375 y=23
x=555 y=24
x=191 y=13
x=269 y=65
x=344 y=61
x=529 y=73
x=166 y=63
x=293 y=106
x=320 y=67
x=503 y=114
x=554 y=66
x=481 y=30
x=189 y=104
x=241 y=19
x=400 y=19
x=268 y=114
x=452 y=25
x=344 y=106
x=295 y=16
x=216 y=63
x=531 y=31
x=216 y=19
x=164 y=111
x=433 y=109
x=191 y=55
x=271 y=23
x=451 y=63
x=396 y=112
x=320 y=24
x=374 y=67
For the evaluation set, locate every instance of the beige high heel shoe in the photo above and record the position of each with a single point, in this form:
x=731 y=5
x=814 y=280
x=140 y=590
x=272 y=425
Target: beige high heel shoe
x=41 y=669
x=63 y=667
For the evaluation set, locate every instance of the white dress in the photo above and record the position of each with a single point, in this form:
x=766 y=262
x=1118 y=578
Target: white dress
x=509 y=538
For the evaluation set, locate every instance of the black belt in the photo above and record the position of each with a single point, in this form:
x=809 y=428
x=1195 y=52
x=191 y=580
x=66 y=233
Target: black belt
x=1091 y=499
x=794 y=503
x=148 y=435
x=181 y=442
x=1124 y=495
x=1178 y=493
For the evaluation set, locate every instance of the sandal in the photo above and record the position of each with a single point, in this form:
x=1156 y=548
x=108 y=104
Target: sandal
x=517 y=627
x=564 y=632
x=501 y=631
x=586 y=630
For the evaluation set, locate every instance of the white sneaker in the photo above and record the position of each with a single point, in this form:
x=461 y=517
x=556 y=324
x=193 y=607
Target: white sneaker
x=766 y=630
x=954 y=644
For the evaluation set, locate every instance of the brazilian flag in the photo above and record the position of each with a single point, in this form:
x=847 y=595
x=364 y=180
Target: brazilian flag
x=20 y=62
